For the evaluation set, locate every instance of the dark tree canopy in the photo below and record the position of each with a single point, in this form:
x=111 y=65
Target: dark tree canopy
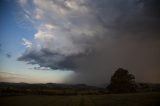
x=122 y=82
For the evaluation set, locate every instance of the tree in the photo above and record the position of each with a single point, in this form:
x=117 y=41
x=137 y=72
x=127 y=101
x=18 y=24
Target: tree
x=122 y=82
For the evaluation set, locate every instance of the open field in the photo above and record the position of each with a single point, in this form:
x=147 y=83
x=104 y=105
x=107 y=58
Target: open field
x=139 y=99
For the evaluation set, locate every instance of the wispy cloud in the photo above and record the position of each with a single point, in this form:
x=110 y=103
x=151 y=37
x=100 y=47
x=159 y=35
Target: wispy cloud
x=27 y=43
x=42 y=68
x=6 y=76
x=9 y=55
x=5 y=52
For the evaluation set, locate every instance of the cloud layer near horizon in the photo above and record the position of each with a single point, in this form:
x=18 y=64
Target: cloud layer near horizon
x=95 y=37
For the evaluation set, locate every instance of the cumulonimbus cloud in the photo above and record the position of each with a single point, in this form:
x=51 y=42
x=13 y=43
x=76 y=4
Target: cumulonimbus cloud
x=95 y=36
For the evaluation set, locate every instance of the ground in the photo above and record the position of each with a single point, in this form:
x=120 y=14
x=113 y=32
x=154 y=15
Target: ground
x=138 y=99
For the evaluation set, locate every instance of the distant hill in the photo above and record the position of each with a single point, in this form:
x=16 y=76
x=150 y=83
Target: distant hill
x=48 y=89
x=7 y=88
x=148 y=87
x=47 y=86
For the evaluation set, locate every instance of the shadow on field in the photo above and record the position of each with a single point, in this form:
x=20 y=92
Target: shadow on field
x=136 y=99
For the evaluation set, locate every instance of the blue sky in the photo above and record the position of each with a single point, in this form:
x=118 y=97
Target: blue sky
x=11 y=34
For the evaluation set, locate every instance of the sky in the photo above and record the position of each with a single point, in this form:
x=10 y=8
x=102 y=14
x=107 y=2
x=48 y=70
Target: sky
x=79 y=41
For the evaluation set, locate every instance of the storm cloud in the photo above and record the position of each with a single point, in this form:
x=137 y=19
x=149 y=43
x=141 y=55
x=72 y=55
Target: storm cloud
x=95 y=37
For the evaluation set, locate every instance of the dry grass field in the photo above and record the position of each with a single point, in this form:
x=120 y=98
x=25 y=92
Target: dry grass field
x=139 y=99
